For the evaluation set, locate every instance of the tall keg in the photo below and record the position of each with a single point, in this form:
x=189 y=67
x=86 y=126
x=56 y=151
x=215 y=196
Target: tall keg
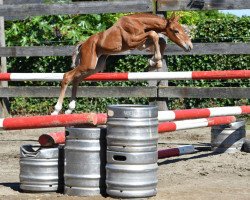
x=228 y=138
x=132 y=136
x=41 y=169
x=85 y=160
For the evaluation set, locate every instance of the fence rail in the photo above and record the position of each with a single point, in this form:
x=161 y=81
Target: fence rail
x=12 y=10
x=153 y=92
x=90 y=7
x=13 y=2
x=172 y=49
x=169 y=5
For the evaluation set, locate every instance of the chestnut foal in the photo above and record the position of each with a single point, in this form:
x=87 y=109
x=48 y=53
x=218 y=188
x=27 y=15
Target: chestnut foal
x=136 y=31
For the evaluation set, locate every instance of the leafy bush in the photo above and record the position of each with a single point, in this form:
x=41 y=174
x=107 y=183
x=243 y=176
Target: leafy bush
x=223 y=29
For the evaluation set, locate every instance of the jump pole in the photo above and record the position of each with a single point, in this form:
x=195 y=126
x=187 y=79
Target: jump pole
x=186 y=114
x=51 y=139
x=133 y=76
x=194 y=123
x=18 y=123
x=202 y=113
x=182 y=150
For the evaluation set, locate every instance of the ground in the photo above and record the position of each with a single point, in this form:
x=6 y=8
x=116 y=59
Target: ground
x=201 y=175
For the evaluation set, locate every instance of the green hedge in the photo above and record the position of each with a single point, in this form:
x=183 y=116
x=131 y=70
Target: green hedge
x=66 y=30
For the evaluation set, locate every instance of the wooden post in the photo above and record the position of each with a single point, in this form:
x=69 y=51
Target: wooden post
x=4 y=103
x=160 y=102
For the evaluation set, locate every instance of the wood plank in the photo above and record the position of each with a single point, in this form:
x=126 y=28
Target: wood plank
x=82 y=92
x=13 y=2
x=169 y=5
x=172 y=49
x=163 y=92
x=23 y=10
x=197 y=92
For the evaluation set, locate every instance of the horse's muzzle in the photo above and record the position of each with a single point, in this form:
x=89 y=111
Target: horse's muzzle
x=188 y=47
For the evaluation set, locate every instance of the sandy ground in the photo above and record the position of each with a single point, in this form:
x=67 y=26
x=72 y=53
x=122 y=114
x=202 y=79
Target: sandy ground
x=201 y=175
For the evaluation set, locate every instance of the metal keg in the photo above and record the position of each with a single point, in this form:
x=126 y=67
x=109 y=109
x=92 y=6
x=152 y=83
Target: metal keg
x=131 y=175
x=132 y=136
x=134 y=127
x=228 y=138
x=41 y=169
x=85 y=160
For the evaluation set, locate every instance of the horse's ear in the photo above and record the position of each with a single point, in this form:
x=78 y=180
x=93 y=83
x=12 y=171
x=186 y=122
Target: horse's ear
x=177 y=18
x=174 y=17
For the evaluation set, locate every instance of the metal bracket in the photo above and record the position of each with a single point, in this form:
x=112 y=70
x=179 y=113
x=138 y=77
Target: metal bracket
x=196 y=4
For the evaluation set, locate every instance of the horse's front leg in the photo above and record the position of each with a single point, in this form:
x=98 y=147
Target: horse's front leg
x=139 y=41
x=155 y=63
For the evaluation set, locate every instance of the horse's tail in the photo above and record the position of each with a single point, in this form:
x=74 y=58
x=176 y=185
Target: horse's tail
x=76 y=58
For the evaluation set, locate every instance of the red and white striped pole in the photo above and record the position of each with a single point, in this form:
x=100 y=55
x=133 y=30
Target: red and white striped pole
x=51 y=139
x=202 y=113
x=18 y=123
x=59 y=138
x=194 y=123
x=191 y=113
x=133 y=76
x=167 y=153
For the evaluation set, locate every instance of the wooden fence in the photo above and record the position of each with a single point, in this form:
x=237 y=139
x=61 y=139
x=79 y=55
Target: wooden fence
x=13 y=10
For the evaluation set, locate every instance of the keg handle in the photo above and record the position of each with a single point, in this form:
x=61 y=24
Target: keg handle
x=29 y=150
x=119 y=158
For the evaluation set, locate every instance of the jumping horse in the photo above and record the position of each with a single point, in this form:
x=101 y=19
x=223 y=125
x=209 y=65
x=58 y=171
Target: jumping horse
x=135 y=31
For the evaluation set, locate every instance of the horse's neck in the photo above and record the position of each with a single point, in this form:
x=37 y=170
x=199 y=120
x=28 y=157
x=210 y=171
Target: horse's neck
x=153 y=22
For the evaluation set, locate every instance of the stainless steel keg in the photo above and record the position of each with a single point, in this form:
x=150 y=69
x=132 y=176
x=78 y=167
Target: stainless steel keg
x=132 y=126
x=228 y=138
x=85 y=159
x=41 y=169
x=131 y=175
x=132 y=136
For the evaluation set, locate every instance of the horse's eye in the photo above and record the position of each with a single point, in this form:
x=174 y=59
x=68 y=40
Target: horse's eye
x=175 y=31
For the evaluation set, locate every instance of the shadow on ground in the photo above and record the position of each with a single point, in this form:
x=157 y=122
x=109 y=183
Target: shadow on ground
x=14 y=186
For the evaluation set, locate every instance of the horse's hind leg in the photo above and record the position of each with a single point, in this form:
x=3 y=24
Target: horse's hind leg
x=75 y=84
x=67 y=78
x=100 y=66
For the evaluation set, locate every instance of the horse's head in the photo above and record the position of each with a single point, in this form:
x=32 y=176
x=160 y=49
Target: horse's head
x=175 y=32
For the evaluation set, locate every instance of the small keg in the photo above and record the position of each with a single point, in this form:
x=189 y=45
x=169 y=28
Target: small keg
x=228 y=138
x=132 y=136
x=85 y=160
x=41 y=169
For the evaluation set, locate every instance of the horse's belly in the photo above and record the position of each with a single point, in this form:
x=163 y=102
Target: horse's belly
x=110 y=41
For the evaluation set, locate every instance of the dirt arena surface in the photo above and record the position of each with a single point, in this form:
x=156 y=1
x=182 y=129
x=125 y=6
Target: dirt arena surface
x=201 y=175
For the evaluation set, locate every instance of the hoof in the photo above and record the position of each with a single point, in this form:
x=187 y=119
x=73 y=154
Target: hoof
x=152 y=63
x=159 y=64
x=58 y=108
x=72 y=105
x=55 y=113
x=67 y=112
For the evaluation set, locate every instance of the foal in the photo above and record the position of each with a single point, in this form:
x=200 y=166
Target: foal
x=136 y=31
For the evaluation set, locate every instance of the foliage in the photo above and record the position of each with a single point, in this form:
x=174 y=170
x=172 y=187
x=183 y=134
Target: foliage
x=68 y=30
x=195 y=17
x=224 y=29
